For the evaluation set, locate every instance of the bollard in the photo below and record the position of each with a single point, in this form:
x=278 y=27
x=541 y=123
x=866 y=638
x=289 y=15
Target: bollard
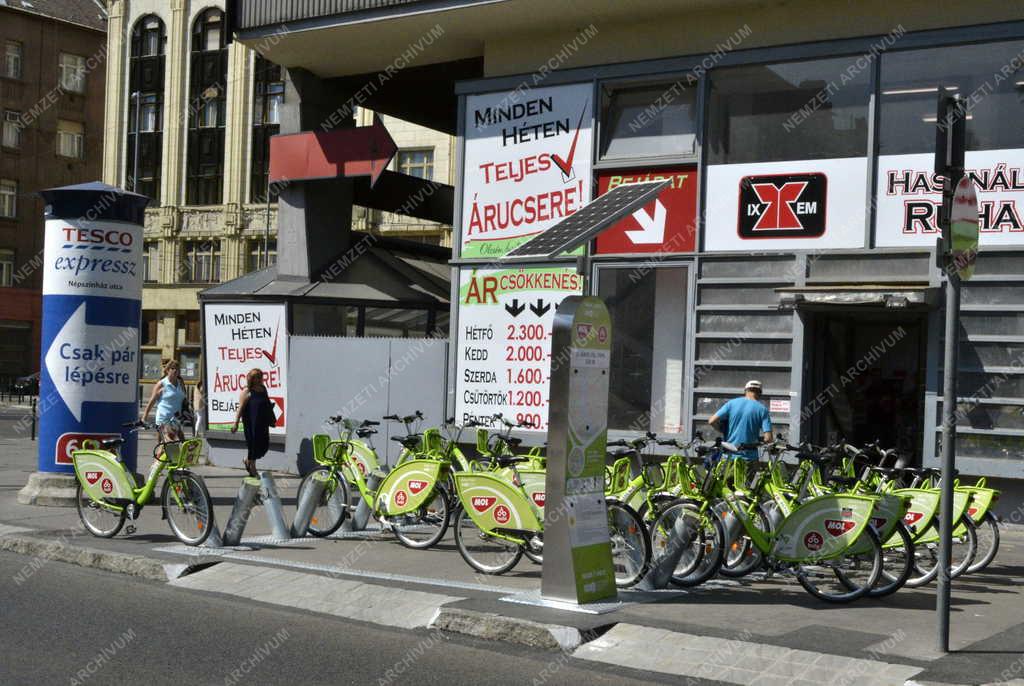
x=240 y=511
x=308 y=504
x=272 y=503
x=660 y=571
x=214 y=540
x=33 y=419
x=362 y=515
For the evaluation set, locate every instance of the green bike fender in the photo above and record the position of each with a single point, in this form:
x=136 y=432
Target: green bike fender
x=407 y=487
x=492 y=503
x=363 y=458
x=823 y=528
x=931 y=534
x=102 y=476
x=981 y=500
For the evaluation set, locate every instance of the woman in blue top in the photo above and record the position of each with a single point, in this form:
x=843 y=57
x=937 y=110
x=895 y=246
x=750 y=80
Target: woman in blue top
x=169 y=397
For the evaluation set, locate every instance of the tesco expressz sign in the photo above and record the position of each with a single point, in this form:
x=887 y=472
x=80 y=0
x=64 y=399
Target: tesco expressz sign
x=241 y=337
x=527 y=164
x=92 y=297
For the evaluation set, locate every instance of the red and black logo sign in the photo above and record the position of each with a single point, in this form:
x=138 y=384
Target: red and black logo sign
x=782 y=206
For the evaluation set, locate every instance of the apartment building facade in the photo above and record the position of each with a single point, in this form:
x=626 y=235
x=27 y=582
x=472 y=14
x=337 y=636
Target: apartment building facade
x=189 y=120
x=52 y=77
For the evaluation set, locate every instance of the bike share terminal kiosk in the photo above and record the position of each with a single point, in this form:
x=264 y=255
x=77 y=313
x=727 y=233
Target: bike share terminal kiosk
x=577 y=549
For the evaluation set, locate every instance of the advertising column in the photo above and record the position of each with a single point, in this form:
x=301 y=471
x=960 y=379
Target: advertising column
x=92 y=299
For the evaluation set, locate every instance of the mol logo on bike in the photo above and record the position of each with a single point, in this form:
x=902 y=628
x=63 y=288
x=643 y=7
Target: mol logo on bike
x=482 y=503
x=502 y=514
x=814 y=541
x=838 y=527
x=401 y=498
x=93 y=477
x=538 y=498
x=912 y=518
x=971 y=511
x=416 y=486
x=878 y=522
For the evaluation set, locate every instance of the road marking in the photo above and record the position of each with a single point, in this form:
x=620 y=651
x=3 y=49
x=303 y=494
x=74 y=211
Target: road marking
x=735 y=661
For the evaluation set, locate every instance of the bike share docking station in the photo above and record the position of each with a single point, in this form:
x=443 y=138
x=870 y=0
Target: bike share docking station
x=578 y=574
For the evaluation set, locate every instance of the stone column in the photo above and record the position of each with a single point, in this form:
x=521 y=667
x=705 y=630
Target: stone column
x=114 y=110
x=236 y=130
x=175 y=104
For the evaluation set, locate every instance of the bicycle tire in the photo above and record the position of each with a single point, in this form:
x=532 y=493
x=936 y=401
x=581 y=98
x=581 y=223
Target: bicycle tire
x=971 y=532
x=926 y=558
x=441 y=520
x=467 y=533
x=331 y=511
x=83 y=503
x=854 y=591
x=987 y=553
x=888 y=582
x=742 y=557
x=203 y=504
x=689 y=570
x=628 y=536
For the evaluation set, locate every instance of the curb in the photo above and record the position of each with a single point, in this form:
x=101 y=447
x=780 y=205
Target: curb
x=120 y=563
x=494 y=627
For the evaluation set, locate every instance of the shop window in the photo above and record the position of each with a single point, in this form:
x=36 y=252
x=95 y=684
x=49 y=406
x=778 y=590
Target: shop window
x=201 y=261
x=8 y=198
x=147 y=333
x=324 y=320
x=909 y=90
x=395 y=323
x=6 y=268
x=418 y=163
x=151 y=261
x=72 y=72
x=648 y=312
x=650 y=120
x=268 y=97
x=261 y=256
x=188 y=362
x=70 y=139
x=12 y=129
x=808 y=110
x=152 y=367
x=12 y=59
x=145 y=106
x=207 y=97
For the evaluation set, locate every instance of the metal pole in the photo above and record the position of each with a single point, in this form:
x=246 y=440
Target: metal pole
x=949 y=397
x=135 y=162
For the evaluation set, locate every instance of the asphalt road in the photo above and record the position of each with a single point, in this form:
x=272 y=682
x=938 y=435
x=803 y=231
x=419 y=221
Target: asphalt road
x=70 y=625
x=15 y=421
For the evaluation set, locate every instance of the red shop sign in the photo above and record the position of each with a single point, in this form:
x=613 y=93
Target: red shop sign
x=668 y=224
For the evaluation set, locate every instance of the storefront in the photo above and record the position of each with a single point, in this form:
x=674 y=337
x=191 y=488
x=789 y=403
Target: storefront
x=795 y=242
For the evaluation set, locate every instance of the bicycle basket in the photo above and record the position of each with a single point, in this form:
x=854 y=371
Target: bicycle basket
x=320 y=442
x=431 y=441
x=180 y=454
x=482 y=437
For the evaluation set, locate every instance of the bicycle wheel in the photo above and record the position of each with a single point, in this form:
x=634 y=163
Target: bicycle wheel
x=680 y=524
x=741 y=556
x=427 y=525
x=926 y=557
x=331 y=508
x=897 y=564
x=481 y=551
x=188 y=507
x=534 y=557
x=100 y=521
x=965 y=547
x=846 y=578
x=631 y=546
x=988 y=543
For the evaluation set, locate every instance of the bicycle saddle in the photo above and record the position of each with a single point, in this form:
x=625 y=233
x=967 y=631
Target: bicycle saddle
x=514 y=442
x=885 y=471
x=363 y=433
x=816 y=459
x=111 y=443
x=407 y=441
x=506 y=460
x=844 y=481
x=621 y=453
x=729 y=447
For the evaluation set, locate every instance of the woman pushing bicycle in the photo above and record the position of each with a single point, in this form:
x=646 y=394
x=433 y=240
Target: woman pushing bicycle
x=170 y=400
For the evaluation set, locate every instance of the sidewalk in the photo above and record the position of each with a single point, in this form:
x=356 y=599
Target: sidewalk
x=750 y=632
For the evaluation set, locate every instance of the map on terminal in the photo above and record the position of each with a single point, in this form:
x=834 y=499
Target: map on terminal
x=590 y=220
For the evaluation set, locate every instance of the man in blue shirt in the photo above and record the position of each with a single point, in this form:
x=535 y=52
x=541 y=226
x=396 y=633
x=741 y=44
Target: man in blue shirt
x=746 y=419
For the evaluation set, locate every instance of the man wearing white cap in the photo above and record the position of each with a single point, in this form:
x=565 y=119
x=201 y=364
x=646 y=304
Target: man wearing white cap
x=746 y=419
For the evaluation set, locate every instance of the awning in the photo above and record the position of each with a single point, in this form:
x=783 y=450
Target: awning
x=888 y=296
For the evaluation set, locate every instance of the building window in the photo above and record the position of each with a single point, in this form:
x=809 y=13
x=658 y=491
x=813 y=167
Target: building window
x=70 y=139
x=650 y=120
x=202 y=261
x=72 y=72
x=12 y=129
x=649 y=320
x=788 y=111
x=189 y=361
x=207 y=97
x=190 y=326
x=150 y=261
x=152 y=362
x=268 y=96
x=8 y=198
x=12 y=59
x=145 y=107
x=147 y=332
x=6 y=268
x=418 y=163
x=260 y=257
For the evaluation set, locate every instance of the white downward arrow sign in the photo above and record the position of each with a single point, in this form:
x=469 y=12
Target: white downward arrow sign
x=93 y=363
x=653 y=227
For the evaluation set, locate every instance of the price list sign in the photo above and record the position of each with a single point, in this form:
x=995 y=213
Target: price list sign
x=504 y=341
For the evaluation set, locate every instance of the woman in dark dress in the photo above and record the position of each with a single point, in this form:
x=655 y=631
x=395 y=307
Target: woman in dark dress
x=256 y=412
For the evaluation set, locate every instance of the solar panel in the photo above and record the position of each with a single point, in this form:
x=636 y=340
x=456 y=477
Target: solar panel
x=590 y=220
